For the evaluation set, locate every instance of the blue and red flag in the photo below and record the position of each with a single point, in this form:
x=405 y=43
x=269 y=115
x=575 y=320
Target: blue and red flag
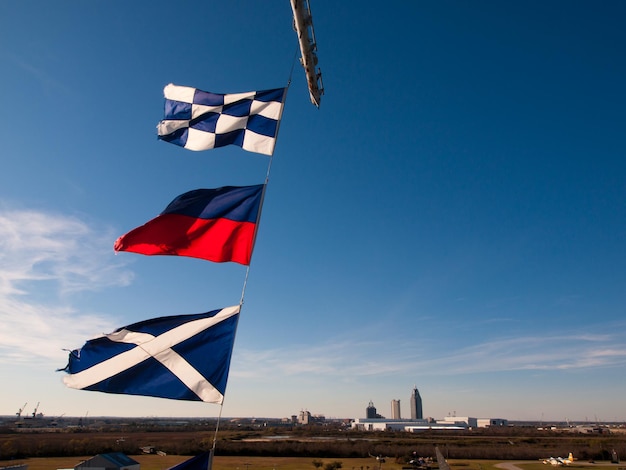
x=217 y=225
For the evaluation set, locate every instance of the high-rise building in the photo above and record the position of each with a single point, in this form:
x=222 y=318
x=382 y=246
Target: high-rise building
x=370 y=411
x=304 y=417
x=395 y=409
x=416 y=405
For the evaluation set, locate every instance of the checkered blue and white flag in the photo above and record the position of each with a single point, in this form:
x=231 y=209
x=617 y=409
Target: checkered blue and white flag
x=183 y=357
x=200 y=120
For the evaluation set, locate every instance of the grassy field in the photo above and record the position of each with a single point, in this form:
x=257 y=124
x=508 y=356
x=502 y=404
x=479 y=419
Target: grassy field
x=155 y=462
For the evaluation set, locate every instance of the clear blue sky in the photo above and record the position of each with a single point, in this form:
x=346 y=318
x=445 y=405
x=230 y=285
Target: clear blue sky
x=452 y=217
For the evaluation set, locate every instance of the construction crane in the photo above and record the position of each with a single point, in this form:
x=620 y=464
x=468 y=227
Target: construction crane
x=19 y=412
x=303 y=24
x=35 y=410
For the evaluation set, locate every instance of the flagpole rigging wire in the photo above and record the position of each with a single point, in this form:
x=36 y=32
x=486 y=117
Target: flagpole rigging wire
x=245 y=282
x=267 y=174
x=293 y=63
x=217 y=427
x=266 y=182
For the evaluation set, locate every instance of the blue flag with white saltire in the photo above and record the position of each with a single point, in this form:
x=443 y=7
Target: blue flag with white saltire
x=183 y=357
x=201 y=120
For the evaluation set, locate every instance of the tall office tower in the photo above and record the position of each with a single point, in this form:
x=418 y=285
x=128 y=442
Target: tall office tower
x=416 y=405
x=370 y=411
x=395 y=409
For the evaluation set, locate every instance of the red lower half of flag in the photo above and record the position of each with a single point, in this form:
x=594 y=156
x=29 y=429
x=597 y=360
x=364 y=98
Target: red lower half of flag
x=217 y=240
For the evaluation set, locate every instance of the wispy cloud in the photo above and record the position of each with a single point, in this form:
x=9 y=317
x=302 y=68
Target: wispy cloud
x=46 y=81
x=384 y=357
x=44 y=259
x=574 y=351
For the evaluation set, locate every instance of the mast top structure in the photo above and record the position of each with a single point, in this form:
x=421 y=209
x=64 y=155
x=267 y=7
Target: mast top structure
x=303 y=24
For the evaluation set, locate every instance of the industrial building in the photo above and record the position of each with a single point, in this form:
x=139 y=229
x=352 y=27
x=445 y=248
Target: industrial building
x=455 y=423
